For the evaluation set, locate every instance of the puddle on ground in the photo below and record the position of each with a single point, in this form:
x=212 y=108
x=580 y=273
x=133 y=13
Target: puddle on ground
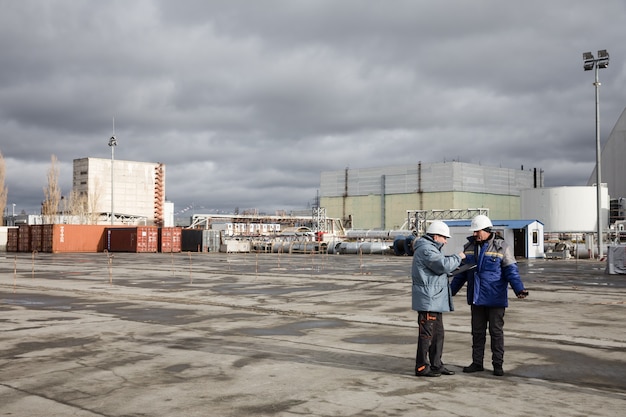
x=293 y=329
x=50 y=304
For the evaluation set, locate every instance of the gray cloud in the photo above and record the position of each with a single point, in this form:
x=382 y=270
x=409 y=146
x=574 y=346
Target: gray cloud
x=248 y=102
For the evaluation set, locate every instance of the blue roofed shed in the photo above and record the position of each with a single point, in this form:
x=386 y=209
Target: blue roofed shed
x=525 y=236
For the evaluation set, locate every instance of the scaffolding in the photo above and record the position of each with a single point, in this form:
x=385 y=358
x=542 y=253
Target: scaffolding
x=317 y=222
x=319 y=216
x=416 y=220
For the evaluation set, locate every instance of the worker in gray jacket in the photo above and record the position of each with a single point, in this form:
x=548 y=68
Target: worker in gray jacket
x=431 y=296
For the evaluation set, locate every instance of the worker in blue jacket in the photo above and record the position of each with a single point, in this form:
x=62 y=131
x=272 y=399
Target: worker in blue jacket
x=431 y=296
x=487 y=290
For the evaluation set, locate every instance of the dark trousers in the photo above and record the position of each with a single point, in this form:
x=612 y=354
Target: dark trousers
x=430 y=341
x=494 y=317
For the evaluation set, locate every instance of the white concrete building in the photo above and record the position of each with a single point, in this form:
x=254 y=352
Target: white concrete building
x=137 y=189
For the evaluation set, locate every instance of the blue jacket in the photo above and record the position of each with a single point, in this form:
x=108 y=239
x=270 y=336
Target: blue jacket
x=496 y=268
x=430 y=269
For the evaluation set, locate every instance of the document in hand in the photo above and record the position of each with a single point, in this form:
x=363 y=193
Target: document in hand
x=463 y=268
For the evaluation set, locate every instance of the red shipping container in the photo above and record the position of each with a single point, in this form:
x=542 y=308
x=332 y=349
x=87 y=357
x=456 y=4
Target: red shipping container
x=23 y=239
x=46 y=239
x=68 y=238
x=132 y=239
x=36 y=237
x=170 y=239
x=12 y=239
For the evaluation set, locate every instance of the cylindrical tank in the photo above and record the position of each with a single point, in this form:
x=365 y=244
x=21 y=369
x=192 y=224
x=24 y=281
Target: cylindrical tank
x=367 y=234
x=349 y=248
x=565 y=209
x=370 y=248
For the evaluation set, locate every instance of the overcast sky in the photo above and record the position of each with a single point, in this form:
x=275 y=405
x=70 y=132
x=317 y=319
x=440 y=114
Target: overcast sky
x=247 y=102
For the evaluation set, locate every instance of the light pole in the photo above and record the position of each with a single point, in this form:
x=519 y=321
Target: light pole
x=112 y=144
x=589 y=63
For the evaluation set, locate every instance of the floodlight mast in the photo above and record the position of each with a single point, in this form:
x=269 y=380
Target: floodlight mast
x=589 y=63
x=112 y=145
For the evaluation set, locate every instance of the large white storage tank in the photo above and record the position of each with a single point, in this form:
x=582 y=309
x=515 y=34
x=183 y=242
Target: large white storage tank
x=565 y=209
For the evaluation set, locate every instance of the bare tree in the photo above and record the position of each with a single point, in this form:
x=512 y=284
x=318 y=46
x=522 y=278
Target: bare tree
x=52 y=194
x=3 y=190
x=93 y=201
x=76 y=206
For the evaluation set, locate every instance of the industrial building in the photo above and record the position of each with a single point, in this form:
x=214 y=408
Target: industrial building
x=613 y=169
x=122 y=192
x=379 y=198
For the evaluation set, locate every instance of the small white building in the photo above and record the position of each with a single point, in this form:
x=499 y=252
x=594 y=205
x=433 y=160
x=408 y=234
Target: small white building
x=525 y=236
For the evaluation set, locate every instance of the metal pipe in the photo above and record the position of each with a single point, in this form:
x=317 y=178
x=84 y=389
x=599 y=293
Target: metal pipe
x=112 y=145
x=598 y=165
x=590 y=62
x=112 y=176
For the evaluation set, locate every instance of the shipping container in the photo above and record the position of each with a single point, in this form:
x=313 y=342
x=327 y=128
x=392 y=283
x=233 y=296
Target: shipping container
x=47 y=238
x=12 y=239
x=213 y=240
x=36 y=237
x=201 y=240
x=170 y=239
x=23 y=240
x=191 y=240
x=5 y=236
x=69 y=238
x=132 y=239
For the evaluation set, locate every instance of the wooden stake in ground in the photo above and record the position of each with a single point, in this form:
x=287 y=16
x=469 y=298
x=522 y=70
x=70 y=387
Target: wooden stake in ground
x=110 y=261
x=33 y=271
x=190 y=278
x=14 y=273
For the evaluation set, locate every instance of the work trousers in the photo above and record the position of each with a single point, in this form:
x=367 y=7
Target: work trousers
x=494 y=317
x=430 y=341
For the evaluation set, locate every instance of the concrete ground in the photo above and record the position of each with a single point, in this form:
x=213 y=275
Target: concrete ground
x=292 y=335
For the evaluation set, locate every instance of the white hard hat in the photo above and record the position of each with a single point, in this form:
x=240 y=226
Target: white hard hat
x=438 y=227
x=480 y=222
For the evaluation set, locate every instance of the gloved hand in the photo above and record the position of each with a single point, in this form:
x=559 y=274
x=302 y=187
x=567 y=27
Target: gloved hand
x=522 y=294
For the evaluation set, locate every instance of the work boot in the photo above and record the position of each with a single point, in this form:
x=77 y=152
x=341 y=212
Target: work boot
x=429 y=373
x=426 y=371
x=443 y=371
x=474 y=367
x=497 y=370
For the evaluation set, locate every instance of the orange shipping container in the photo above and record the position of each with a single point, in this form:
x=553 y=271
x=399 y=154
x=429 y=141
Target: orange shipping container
x=58 y=238
x=170 y=239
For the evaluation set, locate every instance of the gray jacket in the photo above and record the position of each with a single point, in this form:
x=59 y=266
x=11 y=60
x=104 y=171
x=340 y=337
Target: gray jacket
x=430 y=269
